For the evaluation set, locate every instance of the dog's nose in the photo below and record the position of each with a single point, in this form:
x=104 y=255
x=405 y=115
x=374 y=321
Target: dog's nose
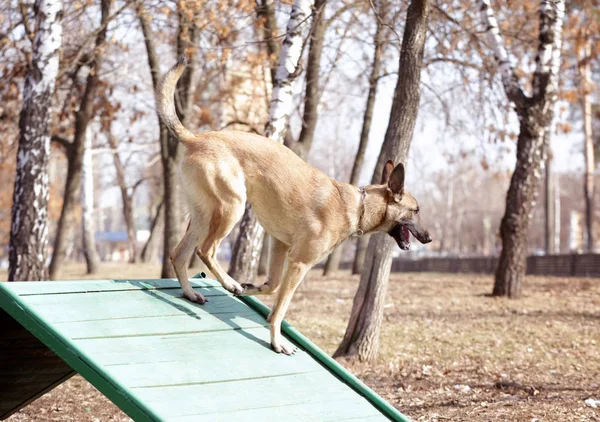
x=427 y=238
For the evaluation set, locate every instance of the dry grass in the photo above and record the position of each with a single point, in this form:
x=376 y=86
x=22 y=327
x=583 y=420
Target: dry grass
x=447 y=352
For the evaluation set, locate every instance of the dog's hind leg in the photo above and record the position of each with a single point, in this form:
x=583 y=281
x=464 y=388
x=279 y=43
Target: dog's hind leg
x=181 y=255
x=277 y=256
x=224 y=217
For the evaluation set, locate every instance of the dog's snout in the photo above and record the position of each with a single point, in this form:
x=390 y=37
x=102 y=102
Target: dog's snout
x=427 y=238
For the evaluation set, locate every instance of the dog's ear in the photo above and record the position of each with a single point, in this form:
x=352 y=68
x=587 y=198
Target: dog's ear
x=387 y=172
x=396 y=182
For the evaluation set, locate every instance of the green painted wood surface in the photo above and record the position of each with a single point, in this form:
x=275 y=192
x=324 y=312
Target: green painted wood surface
x=160 y=357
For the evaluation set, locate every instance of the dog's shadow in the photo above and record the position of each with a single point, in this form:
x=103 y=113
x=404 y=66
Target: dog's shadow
x=173 y=296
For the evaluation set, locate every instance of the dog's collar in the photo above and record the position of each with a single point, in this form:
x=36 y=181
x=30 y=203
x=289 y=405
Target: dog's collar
x=359 y=231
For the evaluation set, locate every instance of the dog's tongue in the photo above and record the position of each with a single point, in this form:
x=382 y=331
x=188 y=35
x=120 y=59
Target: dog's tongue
x=405 y=234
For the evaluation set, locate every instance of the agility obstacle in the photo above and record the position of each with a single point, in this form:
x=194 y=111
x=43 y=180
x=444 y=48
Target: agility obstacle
x=159 y=357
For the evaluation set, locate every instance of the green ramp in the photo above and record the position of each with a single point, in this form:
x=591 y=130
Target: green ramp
x=160 y=357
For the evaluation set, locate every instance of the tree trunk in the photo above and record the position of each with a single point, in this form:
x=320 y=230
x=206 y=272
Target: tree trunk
x=263 y=262
x=333 y=260
x=90 y=252
x=310 y=115
x=361 y=252
x=246 y=251
x=362 y=334
x=359 y=159
x=549 y=205
x=28 y=248
x=556 y=214
x=169 y=145
x=247 y=248
x=519 y=203
x=265 y=11
x=75 y=150
x=148 y=251
x=535 y=117
x=588 y=186
x=126 y=200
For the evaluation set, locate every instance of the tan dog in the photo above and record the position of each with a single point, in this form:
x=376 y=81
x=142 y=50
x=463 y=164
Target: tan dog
x=306 y=213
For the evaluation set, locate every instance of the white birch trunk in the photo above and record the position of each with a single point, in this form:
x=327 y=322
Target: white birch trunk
x=496 y=43
x=29 y=226
x=87 y=205
x=287 y=70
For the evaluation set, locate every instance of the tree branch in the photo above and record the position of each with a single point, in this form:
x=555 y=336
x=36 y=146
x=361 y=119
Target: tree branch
x=64 y=142
x=25 y=21
x=459 y=62
x=339 y=12
x=507 y=72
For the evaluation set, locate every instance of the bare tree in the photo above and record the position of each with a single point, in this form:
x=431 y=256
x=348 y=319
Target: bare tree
x=265 y=11
x=246 y=251
x=590 y=166
x=127 y=193
x=169 y=145
x=535 y=114
x=148 y=250
x=75 y=148
x=333 y=262
x=362 y=334
x=312 y=94
x=29 y=221
x=92 y=259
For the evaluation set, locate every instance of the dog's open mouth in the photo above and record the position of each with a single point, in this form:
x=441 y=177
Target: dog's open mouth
x=401 y=235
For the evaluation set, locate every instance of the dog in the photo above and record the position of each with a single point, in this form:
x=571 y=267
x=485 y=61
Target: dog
x=306 y=213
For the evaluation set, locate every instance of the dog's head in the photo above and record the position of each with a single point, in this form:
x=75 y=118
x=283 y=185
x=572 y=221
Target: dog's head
x=402 y=213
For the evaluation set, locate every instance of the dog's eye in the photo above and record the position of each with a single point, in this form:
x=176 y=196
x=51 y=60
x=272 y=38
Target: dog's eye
x=417 y=211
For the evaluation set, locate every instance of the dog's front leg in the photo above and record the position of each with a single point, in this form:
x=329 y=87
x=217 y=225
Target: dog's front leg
x=278 y=253
x=293 y=277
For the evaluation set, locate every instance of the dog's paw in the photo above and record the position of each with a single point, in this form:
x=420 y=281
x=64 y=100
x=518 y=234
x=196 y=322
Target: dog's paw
x=195 y=297
x=284 y=347
x=250 y=289
x=236 y=288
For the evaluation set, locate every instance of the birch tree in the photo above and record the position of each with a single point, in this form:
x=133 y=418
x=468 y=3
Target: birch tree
x=246 y=251
x=535 y=113
x=29 y=220
x=361 y=338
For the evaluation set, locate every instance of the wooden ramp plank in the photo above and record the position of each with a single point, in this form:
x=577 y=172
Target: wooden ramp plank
x=242 y=395
x=312 y=411
x=160 y=357
x=132 y=304
x=89 y=286
x=157 y=325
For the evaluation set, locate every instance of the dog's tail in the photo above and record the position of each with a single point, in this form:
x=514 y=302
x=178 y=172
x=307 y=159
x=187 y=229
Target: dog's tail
x=166 y=102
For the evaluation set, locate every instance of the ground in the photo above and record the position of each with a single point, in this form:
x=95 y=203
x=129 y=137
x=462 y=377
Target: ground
x=447 y=351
